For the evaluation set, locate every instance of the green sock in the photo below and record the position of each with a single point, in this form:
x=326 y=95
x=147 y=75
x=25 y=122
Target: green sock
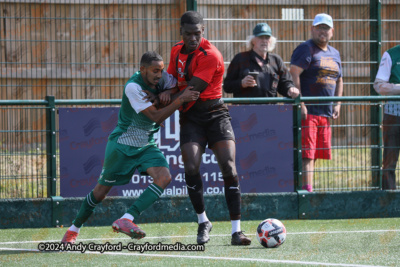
x=146 y=199
x=87 y=208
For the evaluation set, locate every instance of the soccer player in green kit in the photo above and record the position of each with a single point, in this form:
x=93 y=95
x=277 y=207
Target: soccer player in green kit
x=131 y=146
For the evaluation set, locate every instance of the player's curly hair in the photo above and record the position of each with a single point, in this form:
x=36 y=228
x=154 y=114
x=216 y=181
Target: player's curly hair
x=191 y=17
x=149 y=57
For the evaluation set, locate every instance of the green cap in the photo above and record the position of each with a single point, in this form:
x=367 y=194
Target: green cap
x=262 y=29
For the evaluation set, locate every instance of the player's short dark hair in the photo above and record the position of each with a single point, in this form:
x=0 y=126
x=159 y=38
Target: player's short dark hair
x=191 y=17
x=149 y=57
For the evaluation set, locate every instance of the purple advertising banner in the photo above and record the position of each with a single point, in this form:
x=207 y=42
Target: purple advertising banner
x=264 y=151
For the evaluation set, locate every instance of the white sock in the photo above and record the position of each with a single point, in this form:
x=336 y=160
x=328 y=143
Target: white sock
x=127 y=216
x=235 y=226
x=202 y=217
x=73 y=228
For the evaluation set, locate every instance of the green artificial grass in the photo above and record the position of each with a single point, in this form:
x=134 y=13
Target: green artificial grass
x=309 y=243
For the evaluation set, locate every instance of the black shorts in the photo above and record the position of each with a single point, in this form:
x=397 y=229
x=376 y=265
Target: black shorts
x=207 y=122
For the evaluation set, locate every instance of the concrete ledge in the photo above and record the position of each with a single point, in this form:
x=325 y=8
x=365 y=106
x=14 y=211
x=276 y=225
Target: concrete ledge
x=37 y=213
x=347 y=205
x=25 y=213
x=179 y=209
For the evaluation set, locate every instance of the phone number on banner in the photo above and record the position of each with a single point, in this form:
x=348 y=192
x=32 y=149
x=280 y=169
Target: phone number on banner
x=180 y=177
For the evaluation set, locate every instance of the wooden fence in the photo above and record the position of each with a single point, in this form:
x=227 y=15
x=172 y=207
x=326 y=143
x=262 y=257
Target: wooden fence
x=87 y=49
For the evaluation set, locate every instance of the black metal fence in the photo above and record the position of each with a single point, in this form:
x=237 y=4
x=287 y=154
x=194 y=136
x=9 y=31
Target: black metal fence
x=87 y=49
x=29 y=158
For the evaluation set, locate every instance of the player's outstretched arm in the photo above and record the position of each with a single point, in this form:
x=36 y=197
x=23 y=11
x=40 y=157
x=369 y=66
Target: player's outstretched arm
x=198 y=84
x=162 y=99
x=165 y=96
x=195 y=84
x=159 y=115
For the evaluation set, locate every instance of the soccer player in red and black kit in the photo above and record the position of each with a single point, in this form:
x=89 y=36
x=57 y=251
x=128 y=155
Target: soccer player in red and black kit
x=196 y=62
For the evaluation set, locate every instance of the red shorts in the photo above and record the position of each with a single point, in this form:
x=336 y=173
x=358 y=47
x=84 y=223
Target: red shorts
x=316 y=137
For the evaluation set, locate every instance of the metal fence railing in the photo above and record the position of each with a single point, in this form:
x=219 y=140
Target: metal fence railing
x=354 y=143
x=29 y=155
x=87 y=49
x=23 y=155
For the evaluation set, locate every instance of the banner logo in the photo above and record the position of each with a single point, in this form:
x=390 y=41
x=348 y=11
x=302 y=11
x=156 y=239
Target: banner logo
x=168 y=136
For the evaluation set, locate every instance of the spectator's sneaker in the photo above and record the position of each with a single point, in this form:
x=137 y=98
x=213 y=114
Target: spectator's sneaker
x=203 y=231
x=239 y=239
x=69 y=237
x=307 y=187
x=129 y=228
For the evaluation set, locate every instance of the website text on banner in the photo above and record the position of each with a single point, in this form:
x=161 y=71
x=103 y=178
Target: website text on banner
x=264 y=144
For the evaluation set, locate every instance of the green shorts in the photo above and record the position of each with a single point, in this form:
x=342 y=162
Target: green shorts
x=121 y=162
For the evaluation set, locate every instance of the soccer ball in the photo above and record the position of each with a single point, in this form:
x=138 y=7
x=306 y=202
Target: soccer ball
x=271 y=233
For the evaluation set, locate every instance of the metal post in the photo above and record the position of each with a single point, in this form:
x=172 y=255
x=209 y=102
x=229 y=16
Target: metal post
x=376 y=116
x=380 y=143
x=302 y=195
x=297 y=158
x=57 y=211
x=191 y=5
x=51 y=146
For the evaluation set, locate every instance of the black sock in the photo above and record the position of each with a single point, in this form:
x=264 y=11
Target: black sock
x=232 y=196
x=194 y=185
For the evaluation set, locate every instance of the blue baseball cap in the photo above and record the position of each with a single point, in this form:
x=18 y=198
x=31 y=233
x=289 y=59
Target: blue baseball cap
x=262 y=29
x=323 y=19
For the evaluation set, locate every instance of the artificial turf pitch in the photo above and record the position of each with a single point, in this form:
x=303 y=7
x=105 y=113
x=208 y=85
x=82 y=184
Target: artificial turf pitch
x=356 y=242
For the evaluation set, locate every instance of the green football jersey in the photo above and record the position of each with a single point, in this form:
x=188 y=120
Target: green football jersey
x=134 y=128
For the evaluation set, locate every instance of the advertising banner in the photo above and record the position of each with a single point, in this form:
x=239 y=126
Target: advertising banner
x=264 y=151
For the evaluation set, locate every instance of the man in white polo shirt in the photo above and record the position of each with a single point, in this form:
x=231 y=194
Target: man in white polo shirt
x=387 y=82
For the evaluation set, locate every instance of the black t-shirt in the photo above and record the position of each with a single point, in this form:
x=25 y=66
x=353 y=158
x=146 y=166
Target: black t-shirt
x=273 y=76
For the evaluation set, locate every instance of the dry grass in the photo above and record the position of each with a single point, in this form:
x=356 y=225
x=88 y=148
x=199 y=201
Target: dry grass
x=23 y=175
x=349 y=169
